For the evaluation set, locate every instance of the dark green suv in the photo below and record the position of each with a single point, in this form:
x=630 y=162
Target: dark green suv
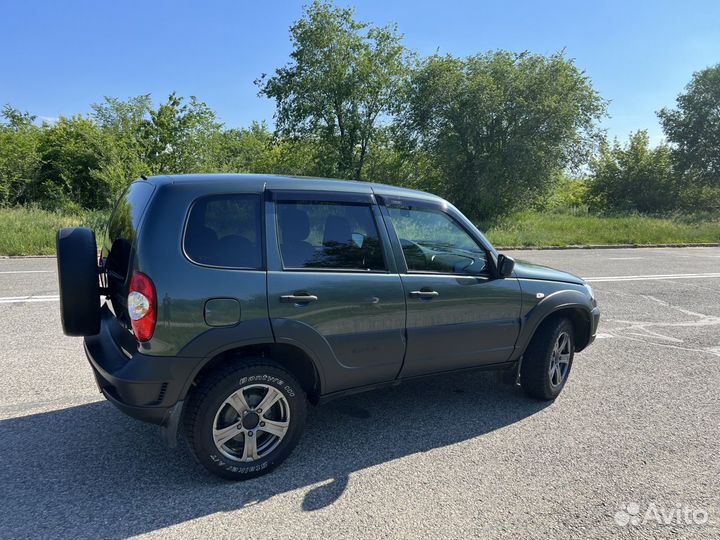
x=230 y=301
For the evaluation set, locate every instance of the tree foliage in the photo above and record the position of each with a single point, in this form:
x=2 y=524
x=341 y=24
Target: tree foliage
x=19 y=159
x=493 y=132
x=343 y=79
x=71 y=152
x=694 y=128
x=177 y=136
x=633 y=177
x=499 y=126
x=126 y=155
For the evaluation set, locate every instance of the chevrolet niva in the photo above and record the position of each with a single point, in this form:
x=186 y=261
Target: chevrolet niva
x=221 y=305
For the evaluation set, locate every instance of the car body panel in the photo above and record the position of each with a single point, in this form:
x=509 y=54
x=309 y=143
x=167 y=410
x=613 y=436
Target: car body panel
x=364 y=329
x=541 y=298
x=358 y=319
x=361 y=317
x=183 y=292
x=528 y=270
x=474 y=320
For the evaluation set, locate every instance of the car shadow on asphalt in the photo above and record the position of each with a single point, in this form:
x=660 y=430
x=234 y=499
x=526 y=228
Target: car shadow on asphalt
x=89 y=471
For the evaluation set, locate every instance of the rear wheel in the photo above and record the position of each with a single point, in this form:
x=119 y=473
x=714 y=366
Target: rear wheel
x=245 y=419
x=548 y=359
x=78 y=281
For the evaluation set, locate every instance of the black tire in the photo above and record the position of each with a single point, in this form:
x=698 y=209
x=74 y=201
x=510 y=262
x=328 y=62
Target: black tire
x=207 y=409
x=78 y=281
x=535 y=376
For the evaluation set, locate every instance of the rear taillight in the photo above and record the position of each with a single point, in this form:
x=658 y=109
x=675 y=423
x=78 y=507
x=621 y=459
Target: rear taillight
x=142 y=306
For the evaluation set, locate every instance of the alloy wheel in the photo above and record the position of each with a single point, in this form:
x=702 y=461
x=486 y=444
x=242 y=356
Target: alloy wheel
x=560 y=359
x=251 y=422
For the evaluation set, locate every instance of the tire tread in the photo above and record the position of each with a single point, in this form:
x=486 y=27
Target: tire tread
x=207 y=385
x=533 y=378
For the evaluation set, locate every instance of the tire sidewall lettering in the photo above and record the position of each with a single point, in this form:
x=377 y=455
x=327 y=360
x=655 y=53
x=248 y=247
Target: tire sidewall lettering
x=268 y=379
x=215 y=392
x=223 y=464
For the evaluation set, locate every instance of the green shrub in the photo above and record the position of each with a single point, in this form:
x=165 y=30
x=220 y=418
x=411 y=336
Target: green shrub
x=633 y=177
x=569 y=195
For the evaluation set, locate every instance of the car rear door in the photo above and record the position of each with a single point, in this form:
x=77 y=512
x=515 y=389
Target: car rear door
x=333 y=288
x=119 y=244
x=458 y=314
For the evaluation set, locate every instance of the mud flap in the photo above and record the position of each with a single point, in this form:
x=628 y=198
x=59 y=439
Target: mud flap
x=169 y=429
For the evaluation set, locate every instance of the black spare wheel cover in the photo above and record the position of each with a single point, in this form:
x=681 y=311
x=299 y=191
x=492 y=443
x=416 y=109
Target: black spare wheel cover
x=78 y=280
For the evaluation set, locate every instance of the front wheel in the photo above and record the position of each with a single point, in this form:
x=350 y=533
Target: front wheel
x=548 y=359
x=245 y=419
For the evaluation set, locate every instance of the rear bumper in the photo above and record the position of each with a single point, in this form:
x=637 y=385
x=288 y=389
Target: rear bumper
x=142 y=386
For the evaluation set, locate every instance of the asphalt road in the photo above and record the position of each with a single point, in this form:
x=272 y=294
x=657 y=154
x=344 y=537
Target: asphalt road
x=452 y=457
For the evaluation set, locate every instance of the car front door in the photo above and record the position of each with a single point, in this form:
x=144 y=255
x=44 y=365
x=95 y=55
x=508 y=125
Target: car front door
x=333 y=287
x=459 y=314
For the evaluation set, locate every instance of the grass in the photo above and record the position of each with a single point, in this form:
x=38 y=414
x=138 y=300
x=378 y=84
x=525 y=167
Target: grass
x=31 y=231
x=534 y=229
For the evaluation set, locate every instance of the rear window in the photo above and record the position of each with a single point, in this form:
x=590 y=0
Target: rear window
x=123 y=226
x=329 y=235
x=225 y=230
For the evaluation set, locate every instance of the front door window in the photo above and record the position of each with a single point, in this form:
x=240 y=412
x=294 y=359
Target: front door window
x=432 y=241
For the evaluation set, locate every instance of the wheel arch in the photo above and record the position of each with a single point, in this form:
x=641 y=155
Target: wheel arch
x=569 y=304
x=580 y=319
x=290 y=357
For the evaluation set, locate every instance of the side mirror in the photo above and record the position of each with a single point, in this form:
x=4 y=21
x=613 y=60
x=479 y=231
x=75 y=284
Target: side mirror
x=505 y=265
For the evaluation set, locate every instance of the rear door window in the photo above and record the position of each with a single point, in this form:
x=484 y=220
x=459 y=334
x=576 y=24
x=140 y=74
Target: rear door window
x=123 y=227
x=329 y=235
x=225 y=231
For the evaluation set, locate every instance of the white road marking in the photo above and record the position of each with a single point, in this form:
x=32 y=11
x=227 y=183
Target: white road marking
x=29 y=299
x=624 y=258
x=652 y=277
x=27 y=271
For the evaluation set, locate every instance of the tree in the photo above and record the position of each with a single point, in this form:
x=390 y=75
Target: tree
x=70 y=152
x=241 y=150
x=123 y=123
x=633 y=177
x=16 y=119
x=19 y=159
x=694 y=129
x=570 y=194
x=178 y=135
x=498 y=127
x=125 y=118
x=342 y=81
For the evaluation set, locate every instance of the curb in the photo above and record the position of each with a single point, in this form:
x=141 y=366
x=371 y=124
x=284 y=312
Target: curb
x=607 y=246
x=27 y=256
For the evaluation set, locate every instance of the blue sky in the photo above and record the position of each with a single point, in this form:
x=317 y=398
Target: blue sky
x=58 y=57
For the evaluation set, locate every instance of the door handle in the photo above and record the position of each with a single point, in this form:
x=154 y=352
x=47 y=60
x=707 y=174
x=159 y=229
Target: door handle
x=424 y=294
x=298 y=298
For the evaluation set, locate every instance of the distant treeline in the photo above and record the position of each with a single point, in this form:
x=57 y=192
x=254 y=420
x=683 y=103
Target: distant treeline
x=494 y=132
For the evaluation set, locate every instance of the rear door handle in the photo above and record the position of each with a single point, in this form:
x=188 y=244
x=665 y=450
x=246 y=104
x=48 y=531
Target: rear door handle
x=424 y=294
x=298 y=298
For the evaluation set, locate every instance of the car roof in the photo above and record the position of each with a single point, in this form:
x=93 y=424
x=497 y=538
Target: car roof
x=259 y=182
